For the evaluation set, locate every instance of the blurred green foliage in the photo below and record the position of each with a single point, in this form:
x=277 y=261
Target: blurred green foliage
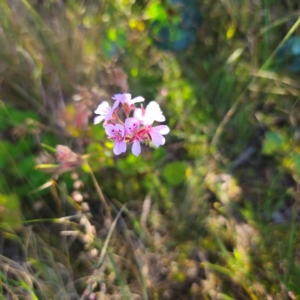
x=174 y=172
x=214 y=213
x=16 y=151
x=10 y=213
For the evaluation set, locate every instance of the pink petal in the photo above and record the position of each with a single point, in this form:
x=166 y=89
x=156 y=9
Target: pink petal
x=153 y=107
x=118 y=97
x=120 y=128
x=122 y=98
x=160 y=118
x=136 y=148
x=99 y=119
x=119 y=147
x=109 y=115
x=162 y=129
x=150 y=114
x=115 y=105
x=110 y=129
x=102 y=108
x=137 y=99
x=131 y=125
x=153 y=110
x=138 y=114
x=156 y=134
x=148 y=120
x=157 y=139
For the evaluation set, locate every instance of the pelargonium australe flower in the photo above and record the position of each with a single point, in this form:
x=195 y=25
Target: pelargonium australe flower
x=103 y=109
x=126 y=101
x=132 y=126
x=156 y=133
x=150 y=114
x=117 y=133
x=135 y=129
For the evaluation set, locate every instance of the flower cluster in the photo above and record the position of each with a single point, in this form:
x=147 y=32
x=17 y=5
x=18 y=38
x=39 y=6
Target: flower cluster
x=138 y=125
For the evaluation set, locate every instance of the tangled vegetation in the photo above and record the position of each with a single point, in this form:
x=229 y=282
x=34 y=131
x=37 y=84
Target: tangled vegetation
x=211 y=214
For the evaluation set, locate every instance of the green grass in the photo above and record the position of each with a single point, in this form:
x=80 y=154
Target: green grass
x=203 y=217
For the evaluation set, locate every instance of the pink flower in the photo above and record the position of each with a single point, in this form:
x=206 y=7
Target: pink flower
x=118 y=134
x=126 y=98
x=132 y=130
x=150 y=114
x=156 y=134
x=132 y=127
x=126 y=101
x=103 y=109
